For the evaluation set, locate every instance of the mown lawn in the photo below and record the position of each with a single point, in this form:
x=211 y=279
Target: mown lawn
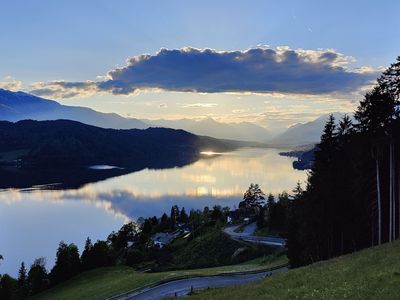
x=369 y=274
x=106 y=282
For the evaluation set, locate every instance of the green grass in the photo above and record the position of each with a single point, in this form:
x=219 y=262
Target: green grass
x=369 y=274
x=106 y=282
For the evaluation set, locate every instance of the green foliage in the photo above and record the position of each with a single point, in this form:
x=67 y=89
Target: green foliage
x=213 y=248
x=380 y=106
x=273 y=218
x=183 y=217
x=174 y=216
x=86 y=257
x=22 y=283
x=217 y=214
x=253 y=197
x=67 y=263
x=37 y=276
x=8 y=287
x=135 y=256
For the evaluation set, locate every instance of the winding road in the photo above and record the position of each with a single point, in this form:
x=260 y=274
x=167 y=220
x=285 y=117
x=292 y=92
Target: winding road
x=247 y=236
x=182 y=287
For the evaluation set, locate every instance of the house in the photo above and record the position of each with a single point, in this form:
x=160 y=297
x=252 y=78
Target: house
x=184 y=228
x=161 y=239
x=242 y=215
x=233 y=216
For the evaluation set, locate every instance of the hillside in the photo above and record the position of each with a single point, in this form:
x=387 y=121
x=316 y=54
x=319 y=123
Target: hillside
x=110 y=281
x=16 y=106
x=373 y=273
x=50 y=144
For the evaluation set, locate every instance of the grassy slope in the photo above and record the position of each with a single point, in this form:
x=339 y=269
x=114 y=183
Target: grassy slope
x=105 y=282
x=369 y=274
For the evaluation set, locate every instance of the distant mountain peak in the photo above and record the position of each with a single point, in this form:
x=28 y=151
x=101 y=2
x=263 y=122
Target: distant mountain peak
x=305 y=133
x=15 y=106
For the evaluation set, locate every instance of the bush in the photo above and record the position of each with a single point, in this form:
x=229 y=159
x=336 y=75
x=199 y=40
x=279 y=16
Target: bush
x=134 y=257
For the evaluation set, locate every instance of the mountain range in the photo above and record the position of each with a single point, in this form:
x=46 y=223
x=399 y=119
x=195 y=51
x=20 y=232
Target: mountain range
x=303 y=133
x=16 y=106
x=244 y=131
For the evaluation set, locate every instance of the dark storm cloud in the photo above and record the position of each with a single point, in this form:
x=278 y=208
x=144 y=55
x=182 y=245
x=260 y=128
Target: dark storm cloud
x=258 y=70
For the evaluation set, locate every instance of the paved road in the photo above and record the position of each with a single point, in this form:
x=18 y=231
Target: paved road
x=183 y=286
x=247 y=235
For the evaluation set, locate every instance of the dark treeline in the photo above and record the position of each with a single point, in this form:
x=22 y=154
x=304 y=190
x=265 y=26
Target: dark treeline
x=274 y=215
x=351 y=200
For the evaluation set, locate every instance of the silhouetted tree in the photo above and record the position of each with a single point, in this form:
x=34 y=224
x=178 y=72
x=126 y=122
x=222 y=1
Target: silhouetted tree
x=22 y=283
x=216 y=214
x=37 y=276
x=174 y=215
x=119 y=240
x=8 y=286
x=195 y=218
x=164 y=224
x=67 y=263
x=270 y=201
x=101 y=254
x=87 y=255
x=147 y=227
x=183 y=217
x=253 y=197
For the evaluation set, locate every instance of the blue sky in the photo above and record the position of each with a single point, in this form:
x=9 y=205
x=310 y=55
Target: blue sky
x=75 y=41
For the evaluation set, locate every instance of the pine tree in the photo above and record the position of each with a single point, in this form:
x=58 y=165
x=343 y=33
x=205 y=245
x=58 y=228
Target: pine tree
x=381 y=106
x=37 y=276
x=270 y=201
x=86 y=257
x=22 y=283
x=253 y=197
x=174 y=216
x=67 y=263
x=183 y=217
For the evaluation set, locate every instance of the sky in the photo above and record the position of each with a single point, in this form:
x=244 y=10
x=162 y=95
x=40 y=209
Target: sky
x=275 y=63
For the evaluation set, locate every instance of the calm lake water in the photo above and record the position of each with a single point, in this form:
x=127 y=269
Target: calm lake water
x=33 y=221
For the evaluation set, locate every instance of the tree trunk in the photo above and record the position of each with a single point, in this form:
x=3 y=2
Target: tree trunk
x=393 y=186
x=378 y=191
x=390 y=193
x=398 y=199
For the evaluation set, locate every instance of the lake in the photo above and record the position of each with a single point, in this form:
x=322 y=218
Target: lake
x=34 y=220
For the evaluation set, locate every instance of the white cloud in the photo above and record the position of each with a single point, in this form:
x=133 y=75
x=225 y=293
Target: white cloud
x=203 y=105
x=11 y=84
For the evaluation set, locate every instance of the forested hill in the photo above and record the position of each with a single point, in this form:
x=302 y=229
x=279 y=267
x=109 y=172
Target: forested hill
x=49 y=144
x=352 y=198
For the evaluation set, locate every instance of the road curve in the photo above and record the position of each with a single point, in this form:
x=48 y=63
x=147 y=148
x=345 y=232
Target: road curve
x=182 y=287
x=247 y=236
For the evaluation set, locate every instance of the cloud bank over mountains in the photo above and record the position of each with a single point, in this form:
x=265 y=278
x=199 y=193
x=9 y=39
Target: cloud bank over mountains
x=256 y=70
